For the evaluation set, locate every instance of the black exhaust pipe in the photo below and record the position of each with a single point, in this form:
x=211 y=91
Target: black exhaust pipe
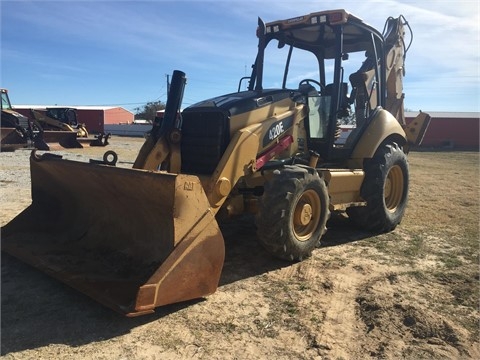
x=174 y=103
x=168 y=127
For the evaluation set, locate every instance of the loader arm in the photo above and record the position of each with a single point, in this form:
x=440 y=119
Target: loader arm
x=240 y=160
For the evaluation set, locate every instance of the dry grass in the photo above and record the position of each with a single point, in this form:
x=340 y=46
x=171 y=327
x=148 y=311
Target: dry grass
x=412 y=293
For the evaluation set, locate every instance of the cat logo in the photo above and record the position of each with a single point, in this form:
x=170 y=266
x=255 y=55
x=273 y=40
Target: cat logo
x=188 y=185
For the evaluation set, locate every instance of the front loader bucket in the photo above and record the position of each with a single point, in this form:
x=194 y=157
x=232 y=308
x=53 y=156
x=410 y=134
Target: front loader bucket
x=11 y=139
x=131 y=239
x=66 y=139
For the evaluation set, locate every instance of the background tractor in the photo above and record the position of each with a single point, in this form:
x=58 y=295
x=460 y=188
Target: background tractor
x=61 y=118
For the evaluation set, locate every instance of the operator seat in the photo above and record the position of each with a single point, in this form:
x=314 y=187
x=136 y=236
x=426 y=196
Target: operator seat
x=359 y=96
x=345 y=100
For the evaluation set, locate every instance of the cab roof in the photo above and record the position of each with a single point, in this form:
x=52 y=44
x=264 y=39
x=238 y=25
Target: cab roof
x=315 y=32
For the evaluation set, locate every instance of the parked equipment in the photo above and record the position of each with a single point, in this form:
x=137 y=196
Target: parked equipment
x=154 y=240
x=56 y=128
x=17 y=131
x=61 y=118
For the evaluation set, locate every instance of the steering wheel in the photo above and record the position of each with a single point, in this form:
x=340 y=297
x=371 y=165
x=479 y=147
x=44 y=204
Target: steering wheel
x=308 y=81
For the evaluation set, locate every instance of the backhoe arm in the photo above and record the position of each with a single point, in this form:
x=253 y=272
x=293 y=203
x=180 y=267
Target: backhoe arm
x=395 y=53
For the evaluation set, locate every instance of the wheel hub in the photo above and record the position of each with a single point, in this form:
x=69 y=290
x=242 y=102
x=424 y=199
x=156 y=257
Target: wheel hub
x=306 y=215
x=303 y=214
x=388 y=187
x=393 y=188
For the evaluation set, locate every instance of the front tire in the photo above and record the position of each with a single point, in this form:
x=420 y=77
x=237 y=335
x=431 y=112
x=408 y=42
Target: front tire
x=385 y=189
x=293 y=213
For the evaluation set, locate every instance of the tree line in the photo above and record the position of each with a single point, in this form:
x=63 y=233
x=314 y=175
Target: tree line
x=149 y=110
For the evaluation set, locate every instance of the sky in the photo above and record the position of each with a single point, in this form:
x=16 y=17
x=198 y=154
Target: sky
x=119 y=53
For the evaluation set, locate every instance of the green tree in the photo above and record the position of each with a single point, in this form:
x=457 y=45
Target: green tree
x=148 y=110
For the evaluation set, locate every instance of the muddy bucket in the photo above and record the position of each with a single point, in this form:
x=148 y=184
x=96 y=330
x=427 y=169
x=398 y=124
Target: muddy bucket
x=59 y=138
x=11 y=139
x=131 y=239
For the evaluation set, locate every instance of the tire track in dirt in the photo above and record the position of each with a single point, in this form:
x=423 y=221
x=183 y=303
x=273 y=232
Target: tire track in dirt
x=341 y=328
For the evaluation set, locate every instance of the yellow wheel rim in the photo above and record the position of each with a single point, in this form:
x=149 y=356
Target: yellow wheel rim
x=393 y=189
x=306 y=215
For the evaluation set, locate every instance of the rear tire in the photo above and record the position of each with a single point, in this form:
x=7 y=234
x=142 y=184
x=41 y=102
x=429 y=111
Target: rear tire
x=293 y=213
x=385 y=189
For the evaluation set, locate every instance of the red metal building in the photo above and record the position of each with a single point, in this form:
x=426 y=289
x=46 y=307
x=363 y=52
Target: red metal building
x=451 y=130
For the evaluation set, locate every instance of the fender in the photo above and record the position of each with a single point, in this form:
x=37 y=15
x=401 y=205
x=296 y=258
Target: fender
x=384 y=125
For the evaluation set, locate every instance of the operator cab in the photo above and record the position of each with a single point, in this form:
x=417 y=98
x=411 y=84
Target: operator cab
x=6 y=105
x=333 y=59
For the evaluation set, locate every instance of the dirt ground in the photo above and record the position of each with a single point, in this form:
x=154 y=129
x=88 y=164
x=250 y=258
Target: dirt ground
x=412 y=293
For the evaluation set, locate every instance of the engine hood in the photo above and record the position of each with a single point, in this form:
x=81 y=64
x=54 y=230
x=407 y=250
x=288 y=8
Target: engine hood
x=11 y=118
x=241 y=102
x=13 y=113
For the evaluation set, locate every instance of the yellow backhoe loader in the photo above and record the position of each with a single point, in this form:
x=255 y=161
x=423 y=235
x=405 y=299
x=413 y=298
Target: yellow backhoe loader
x=148 y=236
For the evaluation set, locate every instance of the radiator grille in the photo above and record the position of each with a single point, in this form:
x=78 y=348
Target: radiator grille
x=205 y=136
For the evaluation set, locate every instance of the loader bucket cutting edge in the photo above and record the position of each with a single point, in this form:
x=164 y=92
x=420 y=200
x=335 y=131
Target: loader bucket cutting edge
x=131 y=239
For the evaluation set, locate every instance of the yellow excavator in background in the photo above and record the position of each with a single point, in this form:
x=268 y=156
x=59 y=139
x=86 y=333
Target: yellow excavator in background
x=274 y=151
